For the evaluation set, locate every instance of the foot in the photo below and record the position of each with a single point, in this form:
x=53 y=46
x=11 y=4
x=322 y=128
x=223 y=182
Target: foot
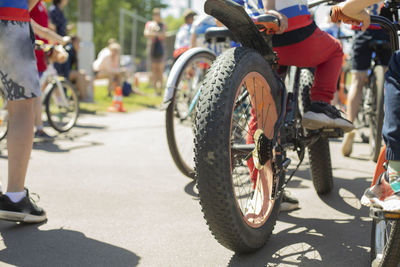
x=42 y=135
x=347 y=145
x=23 y=211
x=323 y=115
x=289 y=203
x=383 y=195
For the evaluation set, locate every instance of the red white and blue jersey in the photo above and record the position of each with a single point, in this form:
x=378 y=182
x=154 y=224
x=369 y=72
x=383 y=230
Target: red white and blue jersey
x=296 y=11
x=16 y=10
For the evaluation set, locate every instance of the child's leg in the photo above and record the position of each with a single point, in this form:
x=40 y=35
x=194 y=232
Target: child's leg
x=322 y=52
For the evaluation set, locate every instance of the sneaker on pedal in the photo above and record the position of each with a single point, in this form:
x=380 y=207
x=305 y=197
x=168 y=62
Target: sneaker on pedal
x=383 y=194
x=23 y=211
x=289 y=203
x=323 y=115
x=42 y=136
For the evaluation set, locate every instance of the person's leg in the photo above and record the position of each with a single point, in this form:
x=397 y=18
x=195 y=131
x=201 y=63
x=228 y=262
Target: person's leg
x=358 y=79
x=19 y=142
x=361 y=62
x=323 y=52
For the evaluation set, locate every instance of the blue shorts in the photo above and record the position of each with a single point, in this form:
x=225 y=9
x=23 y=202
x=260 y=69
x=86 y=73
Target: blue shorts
x=18 y=70
x=362 y=50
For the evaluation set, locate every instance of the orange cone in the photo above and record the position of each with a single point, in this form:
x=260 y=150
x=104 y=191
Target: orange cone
x=116 y=105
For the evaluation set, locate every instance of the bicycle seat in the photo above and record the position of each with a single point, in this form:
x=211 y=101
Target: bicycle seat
x=220 y=34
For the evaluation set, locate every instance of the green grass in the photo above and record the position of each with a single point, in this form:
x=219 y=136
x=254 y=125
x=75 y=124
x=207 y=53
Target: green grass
x=131 y=103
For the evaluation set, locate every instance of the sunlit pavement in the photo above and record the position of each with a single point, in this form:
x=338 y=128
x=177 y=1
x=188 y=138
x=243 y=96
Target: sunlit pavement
x=114 y=198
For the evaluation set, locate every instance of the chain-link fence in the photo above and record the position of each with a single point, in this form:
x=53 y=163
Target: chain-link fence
x=133 y=43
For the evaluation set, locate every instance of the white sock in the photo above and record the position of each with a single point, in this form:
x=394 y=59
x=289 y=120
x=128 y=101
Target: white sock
x=1 y=190
x=16 y=196
x=39 y=128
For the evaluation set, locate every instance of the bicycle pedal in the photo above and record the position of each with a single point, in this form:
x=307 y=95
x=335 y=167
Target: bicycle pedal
x=332 y=132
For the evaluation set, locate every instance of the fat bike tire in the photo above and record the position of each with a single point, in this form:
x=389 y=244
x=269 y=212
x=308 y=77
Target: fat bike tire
x=228 y=196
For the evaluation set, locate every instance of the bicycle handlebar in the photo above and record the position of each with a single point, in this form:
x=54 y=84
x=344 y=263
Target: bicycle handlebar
x=386 y=24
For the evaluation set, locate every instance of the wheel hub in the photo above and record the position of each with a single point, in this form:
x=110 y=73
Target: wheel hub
x=263 y=149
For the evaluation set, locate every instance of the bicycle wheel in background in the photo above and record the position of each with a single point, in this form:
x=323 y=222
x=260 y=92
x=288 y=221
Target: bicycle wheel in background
x=319 y=152
x=385 y=243
x=3 y=119
x=181 y=111
x=62 y=106
x=376 y=111
x=238 y=107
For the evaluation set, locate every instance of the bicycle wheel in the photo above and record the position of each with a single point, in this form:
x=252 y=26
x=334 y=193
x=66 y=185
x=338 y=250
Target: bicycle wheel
x=181 y=111
x=385 y=243
x=238 y=107
x=376 y=112
x=3 y=118
x=62 y=106
x=319 y=152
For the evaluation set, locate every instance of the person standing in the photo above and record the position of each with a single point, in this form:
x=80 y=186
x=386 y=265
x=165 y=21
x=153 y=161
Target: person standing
x=155 y=32
x=20 y=85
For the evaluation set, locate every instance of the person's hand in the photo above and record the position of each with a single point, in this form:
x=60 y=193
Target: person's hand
x=361 y=15
x=59 y=54
x=66 y=40
x=282 y=19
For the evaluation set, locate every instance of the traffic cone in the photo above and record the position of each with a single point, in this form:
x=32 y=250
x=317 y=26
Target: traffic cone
x=116 y=105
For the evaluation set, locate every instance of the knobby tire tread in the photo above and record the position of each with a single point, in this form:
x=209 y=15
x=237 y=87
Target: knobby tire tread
x=319 y=152
x=212 y=157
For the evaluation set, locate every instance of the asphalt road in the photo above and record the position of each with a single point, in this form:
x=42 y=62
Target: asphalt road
x=114 y=198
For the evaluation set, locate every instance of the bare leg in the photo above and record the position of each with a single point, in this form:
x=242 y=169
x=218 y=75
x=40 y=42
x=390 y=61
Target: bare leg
x=358 y=79
x=19 y=142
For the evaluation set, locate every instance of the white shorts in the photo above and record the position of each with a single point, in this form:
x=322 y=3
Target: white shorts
x=18 y=70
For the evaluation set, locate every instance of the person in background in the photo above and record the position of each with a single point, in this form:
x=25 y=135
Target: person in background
x=155 y=32
x=107 y=66
x=361 y=62
x=75 y=75
x=40 y=24
x=198 y=30
x=183 y=36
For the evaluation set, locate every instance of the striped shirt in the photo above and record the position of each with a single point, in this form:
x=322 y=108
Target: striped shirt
x=16 y=10
x=295 y=10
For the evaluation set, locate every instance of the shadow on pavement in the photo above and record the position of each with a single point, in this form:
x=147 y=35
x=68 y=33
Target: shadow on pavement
x=320 y=242
x=312 y=242
x=53 y=147
x=26 y=245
